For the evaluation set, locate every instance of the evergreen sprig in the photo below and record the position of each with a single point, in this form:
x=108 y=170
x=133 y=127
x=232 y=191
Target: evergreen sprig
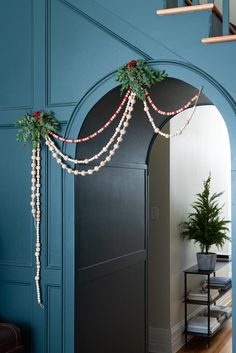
x=33 y=126
x=205 y=225
x=138 y=75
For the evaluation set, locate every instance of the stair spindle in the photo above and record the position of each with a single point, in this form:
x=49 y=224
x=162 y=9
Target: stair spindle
x=225 y=25
x=227 y=33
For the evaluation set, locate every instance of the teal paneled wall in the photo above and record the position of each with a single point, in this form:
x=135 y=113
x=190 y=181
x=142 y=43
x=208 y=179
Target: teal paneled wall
x=16 y=40
x=73 y=66
x=55 y=55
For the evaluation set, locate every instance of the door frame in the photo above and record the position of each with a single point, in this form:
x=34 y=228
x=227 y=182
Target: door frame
x=175 y=69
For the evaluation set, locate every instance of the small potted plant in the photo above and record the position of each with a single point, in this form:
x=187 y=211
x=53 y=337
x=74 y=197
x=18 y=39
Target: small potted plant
x=206 y=227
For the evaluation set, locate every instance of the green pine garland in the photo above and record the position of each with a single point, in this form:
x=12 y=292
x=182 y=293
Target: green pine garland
x=34 y=126
x=136 y=75
x=139 y=76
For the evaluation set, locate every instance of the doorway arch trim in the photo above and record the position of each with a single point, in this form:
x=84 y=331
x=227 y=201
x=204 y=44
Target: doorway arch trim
x=186 y=72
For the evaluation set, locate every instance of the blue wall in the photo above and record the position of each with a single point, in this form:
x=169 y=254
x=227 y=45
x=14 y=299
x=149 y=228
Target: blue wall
x=60 y=55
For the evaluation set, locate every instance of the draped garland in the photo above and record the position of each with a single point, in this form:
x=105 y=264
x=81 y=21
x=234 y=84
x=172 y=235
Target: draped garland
x=136 y=78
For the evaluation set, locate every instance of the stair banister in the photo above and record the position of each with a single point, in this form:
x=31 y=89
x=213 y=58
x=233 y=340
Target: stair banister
x=225 y=28
x=227 y=33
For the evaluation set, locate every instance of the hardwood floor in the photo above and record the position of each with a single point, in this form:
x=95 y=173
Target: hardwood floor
x=220 y=343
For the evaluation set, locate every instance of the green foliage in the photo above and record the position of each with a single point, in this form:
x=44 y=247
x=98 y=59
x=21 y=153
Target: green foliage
x=34 y=126
x=138 y=75
x=205 y=225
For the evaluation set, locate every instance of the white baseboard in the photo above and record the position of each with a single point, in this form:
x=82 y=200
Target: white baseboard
x=226 y=300
x=168 y=340
x=159 y=340
x=171 y=340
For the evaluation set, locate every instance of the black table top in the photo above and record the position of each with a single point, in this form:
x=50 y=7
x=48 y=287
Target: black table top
x=194 y=269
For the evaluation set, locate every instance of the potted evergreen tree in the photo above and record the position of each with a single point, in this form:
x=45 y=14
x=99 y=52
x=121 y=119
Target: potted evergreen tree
x=206 y=227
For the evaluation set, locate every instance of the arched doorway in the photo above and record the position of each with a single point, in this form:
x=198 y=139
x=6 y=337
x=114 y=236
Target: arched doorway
x=130 y=164
x=112 y=230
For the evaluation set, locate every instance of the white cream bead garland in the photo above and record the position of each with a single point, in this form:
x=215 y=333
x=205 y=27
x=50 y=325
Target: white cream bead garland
x=33 y=181
x=36 y=212
x=120 y=130
x=96 y=133
x=118 y=135
x=109 y=149
x=180 y=130
x=170 y=113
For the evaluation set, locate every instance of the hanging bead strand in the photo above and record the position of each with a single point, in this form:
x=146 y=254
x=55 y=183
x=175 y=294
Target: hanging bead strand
x=52 y=147
x=170 y=113
x=180 y=130
x=96 y=133
x=110 y=153
x=33 y=182
x=38 y=221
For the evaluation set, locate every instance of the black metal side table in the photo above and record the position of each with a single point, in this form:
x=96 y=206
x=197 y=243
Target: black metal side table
x=195 y=271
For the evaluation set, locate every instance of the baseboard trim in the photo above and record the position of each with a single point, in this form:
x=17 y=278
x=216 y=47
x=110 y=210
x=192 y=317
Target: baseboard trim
x=171 y=340
x=168 y=340
x=226 y=300
x=159 y=340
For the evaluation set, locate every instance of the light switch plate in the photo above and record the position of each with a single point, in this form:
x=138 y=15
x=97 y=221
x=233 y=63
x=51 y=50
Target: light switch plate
x=155 y=213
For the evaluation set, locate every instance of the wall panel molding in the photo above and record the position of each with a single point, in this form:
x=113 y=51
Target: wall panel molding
x=17 y=59
x=54 y=216
x=16 y=264
x=54 y=319
x=124 y=31
x=49 y=102
x=74 y=47
x=15 y=274
x=107 y=21
x=53 y=209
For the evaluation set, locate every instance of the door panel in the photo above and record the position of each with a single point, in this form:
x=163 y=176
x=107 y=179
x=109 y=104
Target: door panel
x=111 y=253
x=111 y=213
x=112 y=311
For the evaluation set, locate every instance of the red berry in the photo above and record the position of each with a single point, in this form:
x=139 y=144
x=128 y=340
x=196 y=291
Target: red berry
x=132 y=63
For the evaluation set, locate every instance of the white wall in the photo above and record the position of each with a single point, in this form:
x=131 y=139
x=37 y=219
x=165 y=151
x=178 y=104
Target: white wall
x=177 y=169
x=159 y=230
x=203 y=148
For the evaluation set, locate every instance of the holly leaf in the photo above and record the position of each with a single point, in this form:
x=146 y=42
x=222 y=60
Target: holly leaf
x=32 y=127
x=138 y=75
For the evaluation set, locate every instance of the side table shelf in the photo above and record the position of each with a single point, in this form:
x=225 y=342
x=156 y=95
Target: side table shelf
x=202 y=302
x=193 y=333
x=194 y=271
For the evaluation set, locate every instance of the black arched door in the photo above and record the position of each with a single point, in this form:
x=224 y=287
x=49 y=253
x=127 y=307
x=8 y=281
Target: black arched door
x=112 y=230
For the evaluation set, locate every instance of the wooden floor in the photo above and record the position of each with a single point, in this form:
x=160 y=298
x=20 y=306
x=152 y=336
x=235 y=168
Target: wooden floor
x=220 y=343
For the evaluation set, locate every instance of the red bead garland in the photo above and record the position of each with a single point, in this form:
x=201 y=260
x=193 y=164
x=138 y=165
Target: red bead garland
x=89 y=137
x=159 y=111
x=96 y=133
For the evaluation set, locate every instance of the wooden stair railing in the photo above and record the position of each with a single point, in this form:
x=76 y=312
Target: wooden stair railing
x=219 y=39
x=188 y=6
x=185 y=9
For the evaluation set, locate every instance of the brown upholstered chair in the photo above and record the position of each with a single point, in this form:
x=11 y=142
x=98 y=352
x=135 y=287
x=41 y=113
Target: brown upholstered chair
x=10 y=338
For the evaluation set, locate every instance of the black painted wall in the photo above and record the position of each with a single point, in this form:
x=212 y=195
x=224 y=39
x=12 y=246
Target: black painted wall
x=112 y=228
